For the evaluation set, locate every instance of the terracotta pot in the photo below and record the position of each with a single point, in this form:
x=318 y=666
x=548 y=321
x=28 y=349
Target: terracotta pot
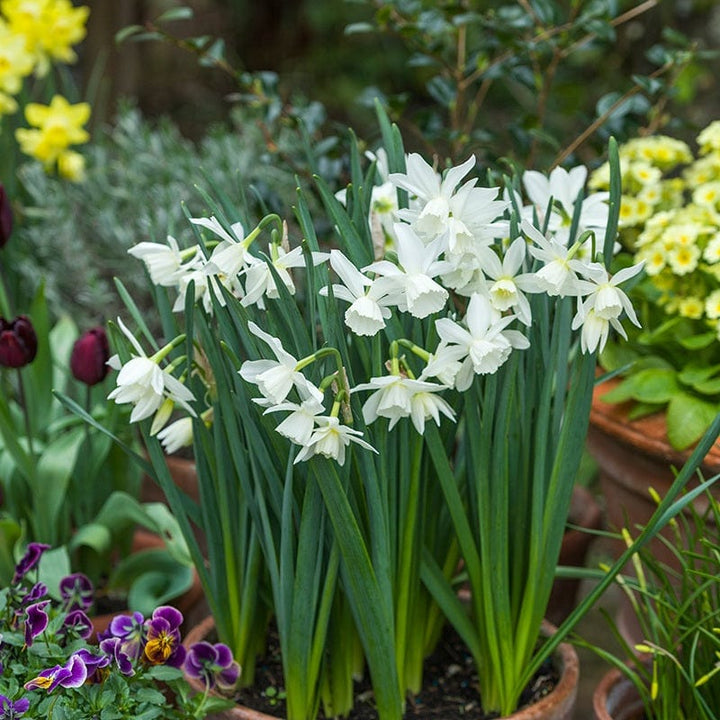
x=558 y=705
x=586 y=513
x=615 y=698
x=183 y=473
x=633 y=456
x=190 y=603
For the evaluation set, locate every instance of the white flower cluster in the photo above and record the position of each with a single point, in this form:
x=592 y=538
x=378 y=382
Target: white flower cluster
x=451 y=244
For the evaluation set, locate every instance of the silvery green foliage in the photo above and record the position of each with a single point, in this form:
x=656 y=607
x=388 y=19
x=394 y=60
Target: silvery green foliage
x=76 y=237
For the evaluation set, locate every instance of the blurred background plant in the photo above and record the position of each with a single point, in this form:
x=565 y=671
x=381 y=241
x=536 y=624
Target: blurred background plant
x=669 y=219
x=675 y=667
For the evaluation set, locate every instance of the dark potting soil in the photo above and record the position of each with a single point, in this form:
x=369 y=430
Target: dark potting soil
x=450 y=689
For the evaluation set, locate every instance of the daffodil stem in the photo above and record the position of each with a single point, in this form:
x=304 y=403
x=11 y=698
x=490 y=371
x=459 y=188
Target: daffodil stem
x=163 y=351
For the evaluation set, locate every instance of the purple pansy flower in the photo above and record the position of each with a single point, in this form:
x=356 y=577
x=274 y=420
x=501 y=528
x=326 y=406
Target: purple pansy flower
x=163 y=646
x=36 y=620
x=76 y=590
x=29 y=560
x=10 y=710
x=77 y=623
x=212 y=664
x=113 y=647
x=130 y=630
x=70 y=675
x=90 y=661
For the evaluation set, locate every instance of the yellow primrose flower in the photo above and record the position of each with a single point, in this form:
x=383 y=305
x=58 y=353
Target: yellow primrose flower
x=703 y=170
x=712 y=305
x=709 y=138
x=707 y=194
x=691 y=307
x=50 y=28
x=683 y=259
x=650 y=194
x=15 y=61
x=655 y=259
x=681 y=234
x=644 y=173
x=59 y=125
x=71 y=166
x=711 y=254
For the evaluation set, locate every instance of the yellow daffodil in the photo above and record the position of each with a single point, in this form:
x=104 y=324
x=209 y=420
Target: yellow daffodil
x=56 y=127
x=15 y=63
x=50 y=28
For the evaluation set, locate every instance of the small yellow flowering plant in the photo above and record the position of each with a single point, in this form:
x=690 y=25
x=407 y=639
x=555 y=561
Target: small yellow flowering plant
x=670 y=221
x=36 y=35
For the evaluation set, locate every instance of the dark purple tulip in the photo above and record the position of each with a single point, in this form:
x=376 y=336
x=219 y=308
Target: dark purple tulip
x=78 y=623
x=10 y=709
x=77 y=591
x=163 y=646
x=71 y=675
x=90 y=354
x=36 y=620
x=18 y=342
x=6 y=219
x=30 y=559
x=212 y=664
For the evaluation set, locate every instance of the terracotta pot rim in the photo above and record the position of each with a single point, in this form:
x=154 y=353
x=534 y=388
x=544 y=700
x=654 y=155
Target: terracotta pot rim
x=647 y=434
x=603 y=691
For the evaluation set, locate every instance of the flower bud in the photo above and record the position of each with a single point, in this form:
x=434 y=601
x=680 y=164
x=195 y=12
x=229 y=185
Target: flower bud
x=6 y=217
x=18 y=342
x=90 y=354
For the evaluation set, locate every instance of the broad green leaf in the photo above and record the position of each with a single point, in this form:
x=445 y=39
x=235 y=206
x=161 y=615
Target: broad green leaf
x=688 y=418
x=93 y=535
x=54 y=470
x=177 y=13
x=10 y=532
x=692 y=374
x=698 y=342
x=655 y=385
x=53 y=567
x=709 y=387
x=641 y=410
x=62 y=338
x=616 y=355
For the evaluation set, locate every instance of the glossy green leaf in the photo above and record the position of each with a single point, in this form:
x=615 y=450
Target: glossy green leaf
x=688 y=418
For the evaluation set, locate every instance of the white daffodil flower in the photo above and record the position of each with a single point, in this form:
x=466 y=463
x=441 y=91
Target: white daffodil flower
x=444 y=364
x=559 y=274
x=260 y=282
x=564 y=187
x=176 y=435
x=275 y=379
x=231 y=254
x=164 y=263
x=426 y=405
x=486 y=343
x=201 y=279
x=298 y=426
x=330 y=439
x=506 y=291
x=602 y=308
x=410 y=285
x=144 y=384
x=368 y=309
x=393 y=399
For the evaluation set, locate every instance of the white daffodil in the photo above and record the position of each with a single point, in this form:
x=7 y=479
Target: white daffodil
x=602 y=307
x=368 y=309
x=393 y=398
x=231 y=254
x=330 y=439
x=486 y=343
x=176 y=435
x=275 y=379
x=144 y=384
x=300 y=423
x=564 y=187
x=260 y=282
x=425 y=404
x=201 y=280
x=444 y=364
x=506 y=291
x=164 y=263
x=410 y=285
x=559 y=274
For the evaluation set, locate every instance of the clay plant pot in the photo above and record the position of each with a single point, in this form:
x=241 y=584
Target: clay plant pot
x=557 y=705
x=633 y=456
x=616 y=698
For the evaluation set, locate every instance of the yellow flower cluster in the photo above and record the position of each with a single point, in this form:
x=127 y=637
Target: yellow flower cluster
x=670 y=219
x=34 y=34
